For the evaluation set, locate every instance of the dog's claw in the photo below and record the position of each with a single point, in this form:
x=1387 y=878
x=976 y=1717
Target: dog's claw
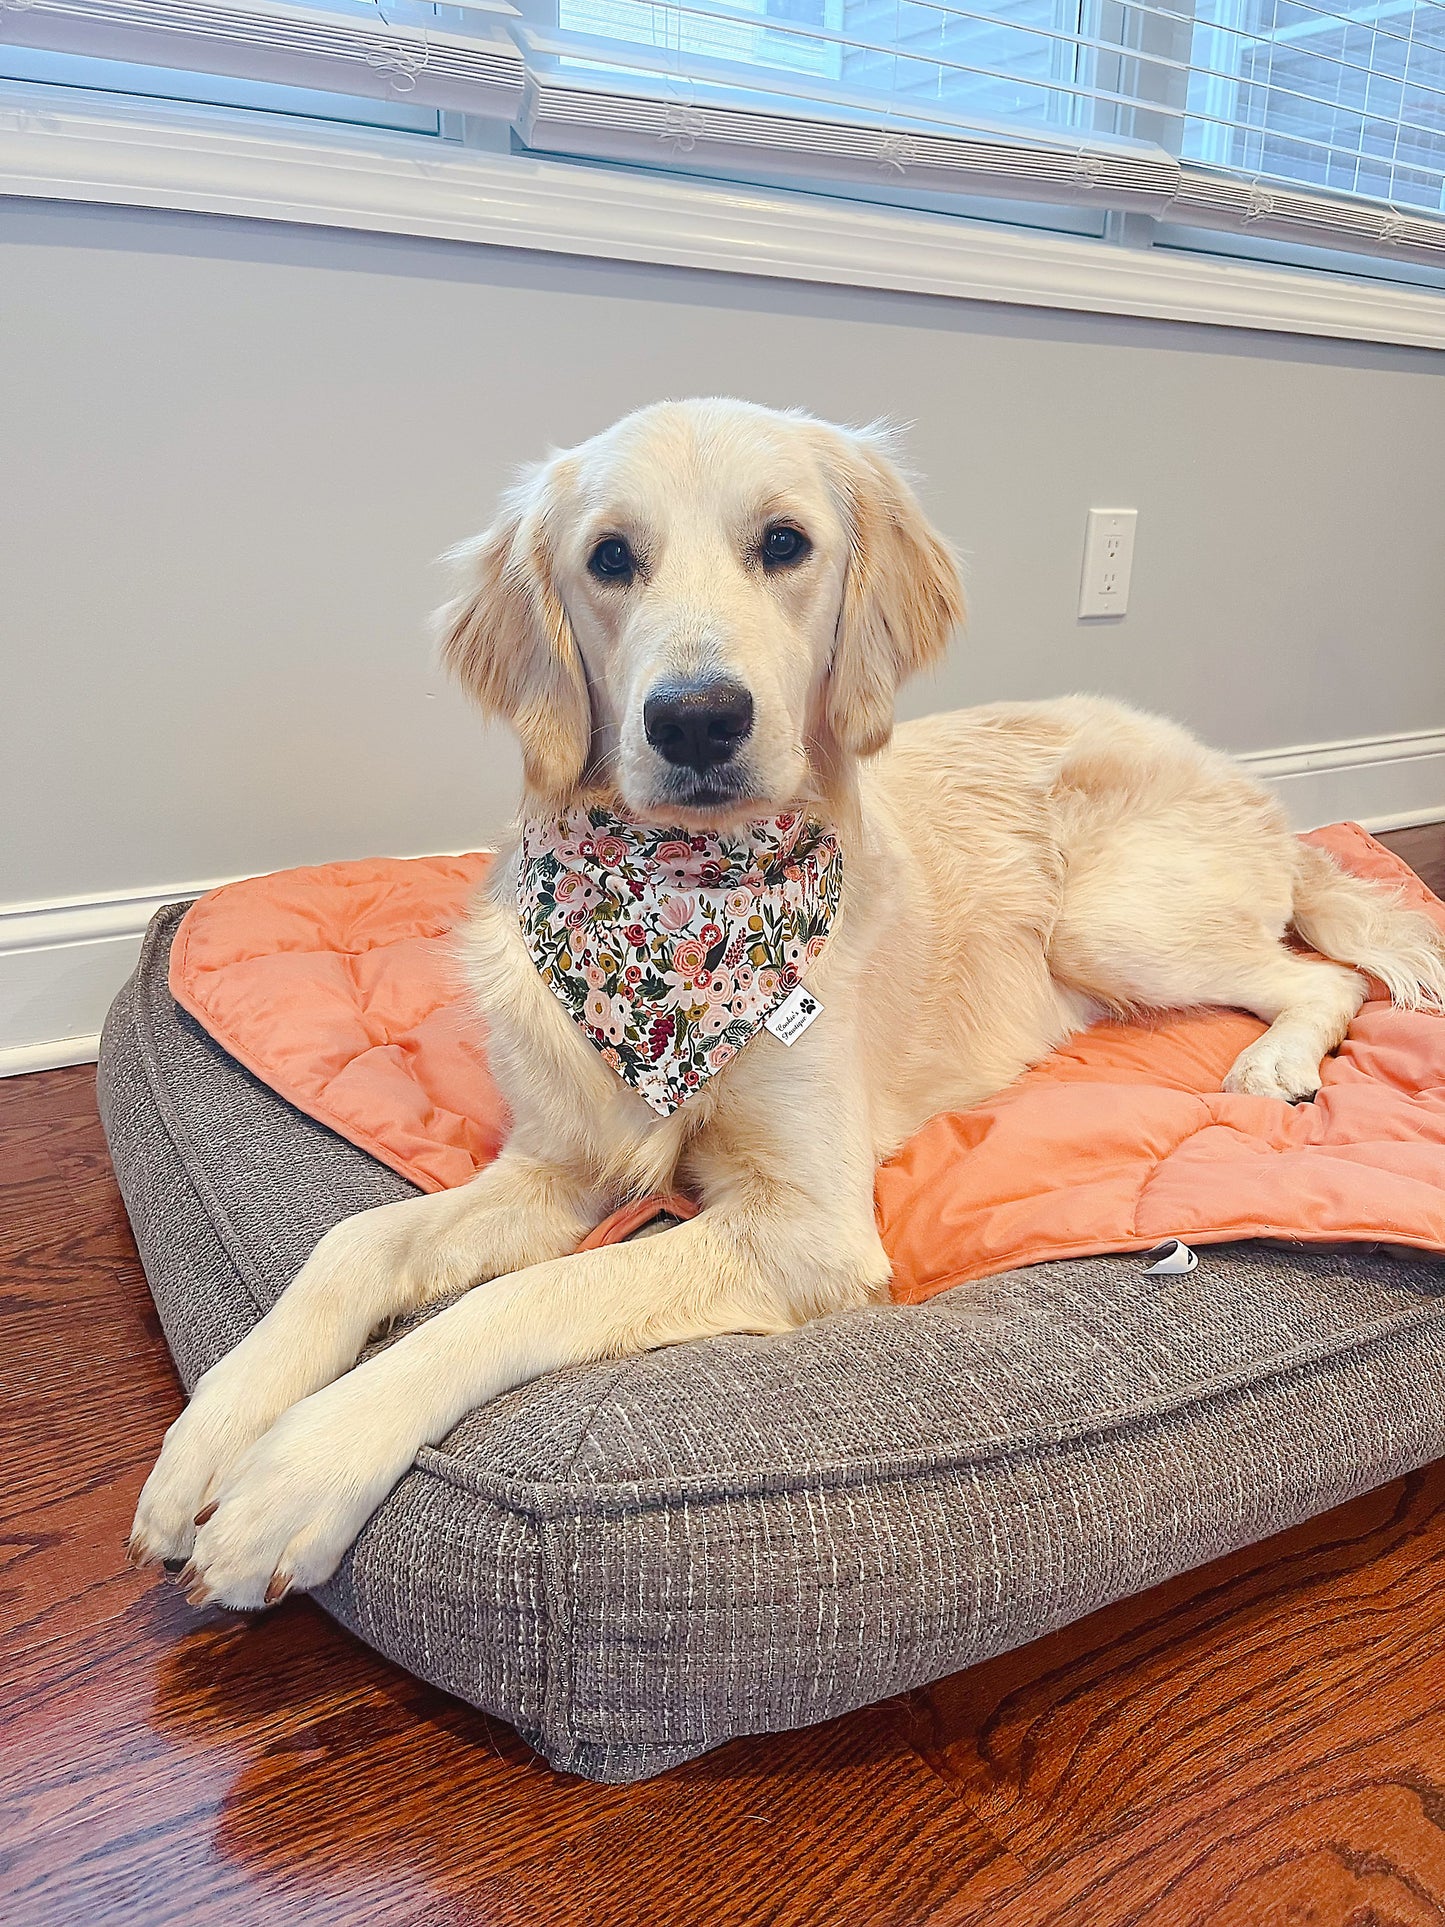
x=137 y=1552
x=278 y=1588
x=187 y=1575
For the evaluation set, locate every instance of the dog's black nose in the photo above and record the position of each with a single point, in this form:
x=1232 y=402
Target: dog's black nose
x=698 y=724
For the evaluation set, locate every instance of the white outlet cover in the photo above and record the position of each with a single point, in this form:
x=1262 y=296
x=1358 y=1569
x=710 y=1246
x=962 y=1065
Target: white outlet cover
x=1108 y=562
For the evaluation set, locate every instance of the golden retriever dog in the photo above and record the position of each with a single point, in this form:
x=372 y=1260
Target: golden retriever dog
x=698 y=621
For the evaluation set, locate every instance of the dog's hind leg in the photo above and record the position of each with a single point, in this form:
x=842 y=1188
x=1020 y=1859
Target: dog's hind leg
x=1168 y=913
x=1308 y=1005
x=1307 y=1002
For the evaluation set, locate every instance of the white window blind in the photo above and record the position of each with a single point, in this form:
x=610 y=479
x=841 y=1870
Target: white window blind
x=1343 y=99
x=1322 y=124
x=1307 y=122
x=459 y=57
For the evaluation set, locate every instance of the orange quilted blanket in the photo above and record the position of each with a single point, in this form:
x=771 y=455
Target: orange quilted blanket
x=337 y=987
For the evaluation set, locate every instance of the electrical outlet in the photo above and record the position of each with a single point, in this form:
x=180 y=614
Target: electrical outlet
x=1108 y=559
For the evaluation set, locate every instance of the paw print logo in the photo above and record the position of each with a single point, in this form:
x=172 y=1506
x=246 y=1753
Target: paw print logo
x=683 y=126
x=401 y=64
x=898 y=152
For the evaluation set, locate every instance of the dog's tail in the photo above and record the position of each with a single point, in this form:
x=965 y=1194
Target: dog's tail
x=1362 y=923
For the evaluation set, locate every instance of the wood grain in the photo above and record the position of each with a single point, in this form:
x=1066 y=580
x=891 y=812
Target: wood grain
x=1255 y=1744
x=1280 y=1714
x=1423 y=849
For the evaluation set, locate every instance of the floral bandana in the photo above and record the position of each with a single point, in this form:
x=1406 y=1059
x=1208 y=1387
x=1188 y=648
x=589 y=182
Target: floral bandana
x=672 y=951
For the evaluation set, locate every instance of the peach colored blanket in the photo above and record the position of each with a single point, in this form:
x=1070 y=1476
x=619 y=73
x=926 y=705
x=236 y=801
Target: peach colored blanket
x=337 y=986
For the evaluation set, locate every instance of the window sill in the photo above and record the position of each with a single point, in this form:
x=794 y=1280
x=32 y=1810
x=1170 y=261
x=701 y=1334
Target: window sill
x=57 y=148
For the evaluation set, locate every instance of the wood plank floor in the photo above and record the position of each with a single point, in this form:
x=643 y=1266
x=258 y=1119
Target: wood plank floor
x=1259 y=1743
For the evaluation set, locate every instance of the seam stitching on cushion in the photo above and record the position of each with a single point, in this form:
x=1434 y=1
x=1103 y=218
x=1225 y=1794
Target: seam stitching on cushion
x=215 y=1212
x=557 y=1696
x=1208 y=1236
x=556 y=1501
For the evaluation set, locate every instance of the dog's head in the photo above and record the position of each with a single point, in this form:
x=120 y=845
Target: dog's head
x=708 y=610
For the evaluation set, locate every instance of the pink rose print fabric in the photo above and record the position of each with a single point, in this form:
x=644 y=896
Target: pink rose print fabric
x=671 y=949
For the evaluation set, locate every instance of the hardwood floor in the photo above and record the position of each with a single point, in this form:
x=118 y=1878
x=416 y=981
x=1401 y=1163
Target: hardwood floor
x=1259 y=1743
x=1423 y=848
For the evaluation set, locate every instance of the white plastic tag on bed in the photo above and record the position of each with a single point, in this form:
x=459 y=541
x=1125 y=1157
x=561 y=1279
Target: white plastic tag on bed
x=1172 y=1257
x=793 y=1016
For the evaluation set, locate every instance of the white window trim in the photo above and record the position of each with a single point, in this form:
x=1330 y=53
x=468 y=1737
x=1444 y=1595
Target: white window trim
x=55 y=146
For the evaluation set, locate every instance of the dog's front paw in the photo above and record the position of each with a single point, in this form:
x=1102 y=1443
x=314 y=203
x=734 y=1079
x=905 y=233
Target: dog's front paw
x=293 y=1503
x=199 y=1451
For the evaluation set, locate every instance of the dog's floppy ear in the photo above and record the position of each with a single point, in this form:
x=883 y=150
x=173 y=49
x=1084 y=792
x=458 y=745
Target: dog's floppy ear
x=902 y=597
x=507 y=640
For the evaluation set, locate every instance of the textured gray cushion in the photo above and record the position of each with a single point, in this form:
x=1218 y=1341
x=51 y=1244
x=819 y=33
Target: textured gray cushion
x=631 y=1562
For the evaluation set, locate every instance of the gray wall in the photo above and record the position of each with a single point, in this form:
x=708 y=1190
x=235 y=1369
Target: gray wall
x=231 y=451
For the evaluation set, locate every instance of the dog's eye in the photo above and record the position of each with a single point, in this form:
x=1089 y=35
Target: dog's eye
x=784 y=544
x=612 y=560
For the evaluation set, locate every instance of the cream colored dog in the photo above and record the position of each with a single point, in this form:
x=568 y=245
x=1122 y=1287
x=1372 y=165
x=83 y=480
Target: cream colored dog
x=1010 y=873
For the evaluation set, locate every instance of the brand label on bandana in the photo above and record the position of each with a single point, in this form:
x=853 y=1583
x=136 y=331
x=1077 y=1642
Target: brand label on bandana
x=793 y=1016
x=671 y=950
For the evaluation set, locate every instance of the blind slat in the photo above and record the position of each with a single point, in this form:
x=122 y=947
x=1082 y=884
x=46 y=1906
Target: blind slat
x=355 y=51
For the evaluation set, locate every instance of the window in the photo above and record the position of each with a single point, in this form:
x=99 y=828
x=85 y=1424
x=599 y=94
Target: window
x=1016 y=60
x=1283 y=121
x=1349 y=100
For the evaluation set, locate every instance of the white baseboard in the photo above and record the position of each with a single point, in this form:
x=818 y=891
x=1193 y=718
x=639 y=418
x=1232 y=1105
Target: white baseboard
x=22 y=1058
x=62 y=963
x=1383 y=782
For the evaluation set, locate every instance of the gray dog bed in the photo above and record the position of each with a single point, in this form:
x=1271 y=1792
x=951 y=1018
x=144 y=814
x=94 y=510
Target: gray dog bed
x=633 y=1562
